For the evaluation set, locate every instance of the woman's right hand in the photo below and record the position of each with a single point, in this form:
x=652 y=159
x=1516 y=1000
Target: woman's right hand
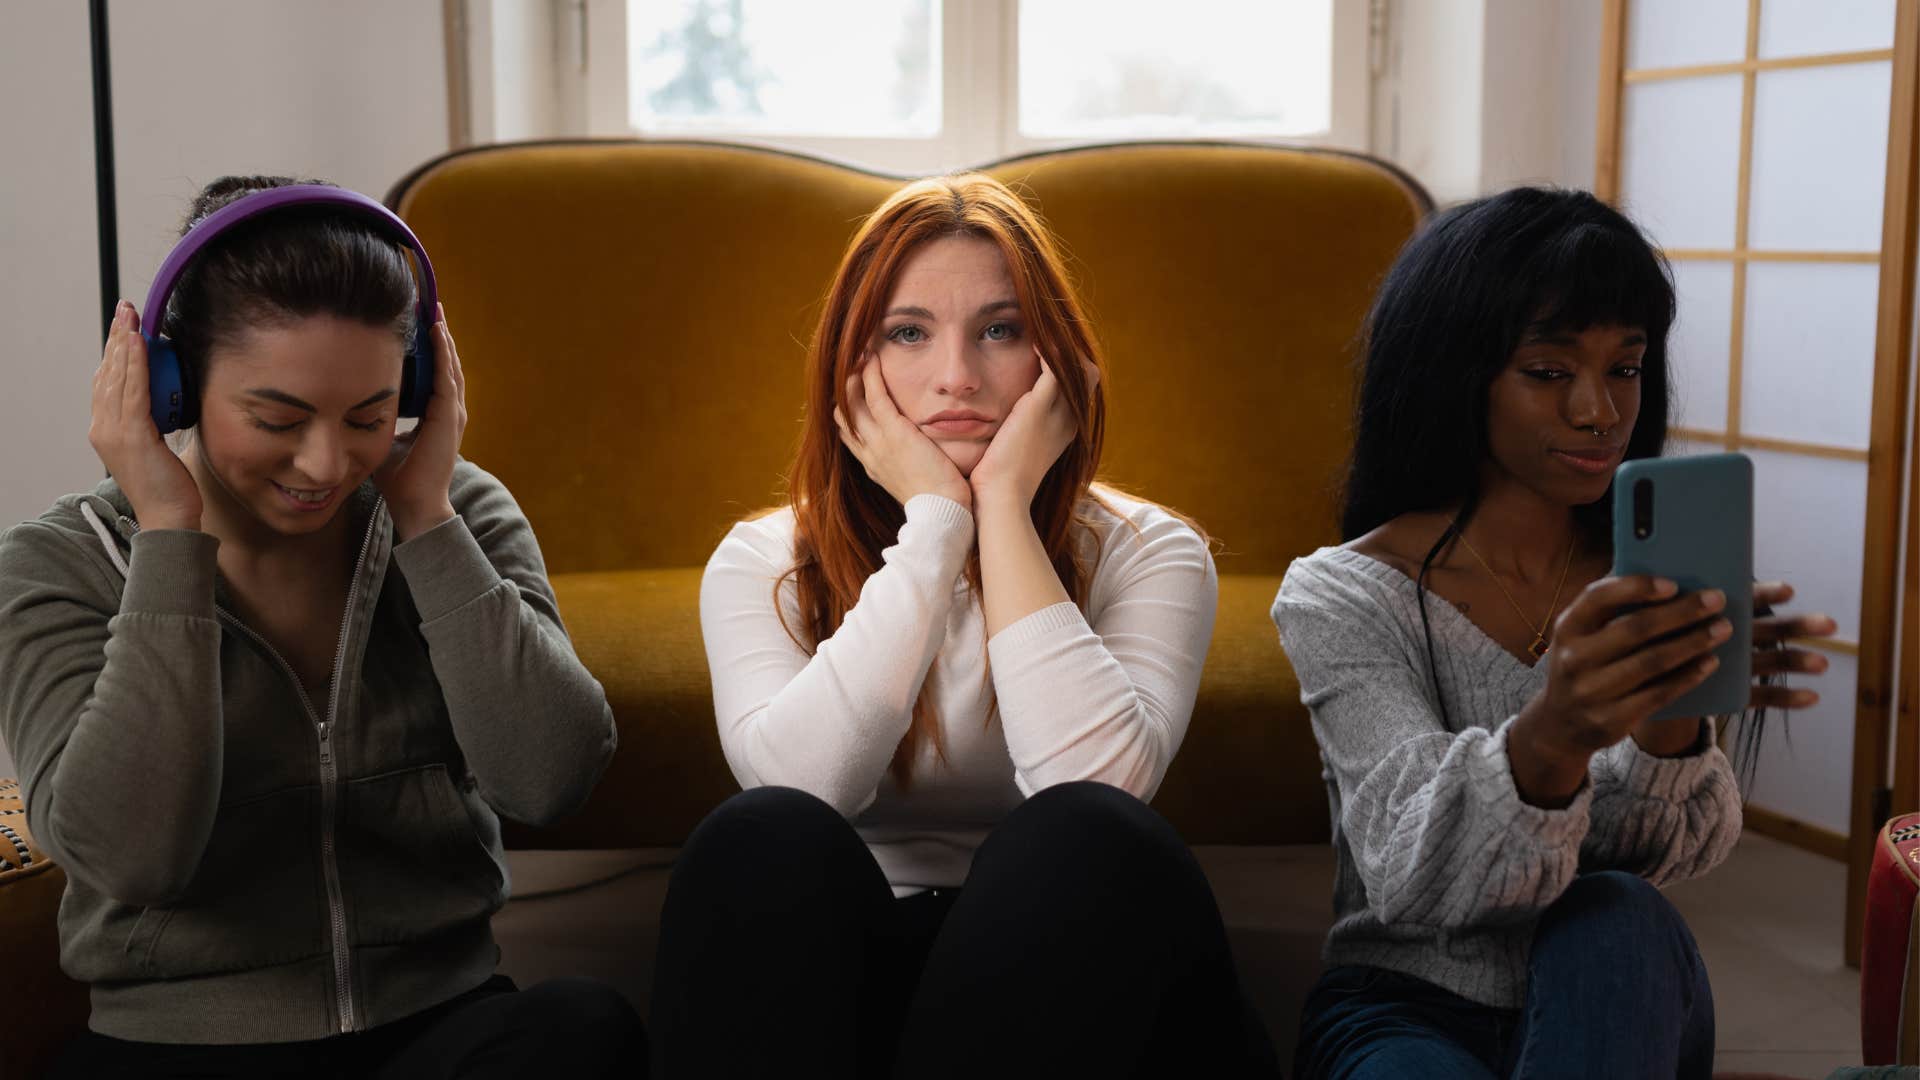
x=122 y=432
x=1625 y=647
x=894 y=451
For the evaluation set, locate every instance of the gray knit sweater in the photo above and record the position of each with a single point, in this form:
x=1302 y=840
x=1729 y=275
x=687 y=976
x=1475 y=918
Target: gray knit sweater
x=1442 y=870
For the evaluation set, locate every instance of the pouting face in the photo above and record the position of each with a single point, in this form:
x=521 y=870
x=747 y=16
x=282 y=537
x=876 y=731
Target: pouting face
x=1560 y=413
x=293 y=418
x=953 y=347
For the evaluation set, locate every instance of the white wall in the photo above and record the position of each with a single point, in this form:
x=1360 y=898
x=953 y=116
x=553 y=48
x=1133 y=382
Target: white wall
x=1577 y=89
x=353 y=91
x=49 y=293
x=1427 y=115
x=527 y=66
x=1480 y=95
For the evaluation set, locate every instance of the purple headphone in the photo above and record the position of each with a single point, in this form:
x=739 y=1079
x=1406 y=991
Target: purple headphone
x=175 y=402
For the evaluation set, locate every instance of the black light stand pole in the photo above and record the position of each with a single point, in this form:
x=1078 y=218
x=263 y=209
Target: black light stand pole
x=103 y=191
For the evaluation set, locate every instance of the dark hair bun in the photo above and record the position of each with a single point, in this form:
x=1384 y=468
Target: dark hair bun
x=229 y=189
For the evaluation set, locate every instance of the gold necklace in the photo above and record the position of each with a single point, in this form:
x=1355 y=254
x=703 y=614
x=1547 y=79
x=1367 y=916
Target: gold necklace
x=1536 y=648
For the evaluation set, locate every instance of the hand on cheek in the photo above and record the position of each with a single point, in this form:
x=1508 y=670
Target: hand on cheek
x=1037 y=431
x=893 y=450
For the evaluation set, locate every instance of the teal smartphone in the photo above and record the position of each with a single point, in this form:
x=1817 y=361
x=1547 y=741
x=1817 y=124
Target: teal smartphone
x=1690 y=520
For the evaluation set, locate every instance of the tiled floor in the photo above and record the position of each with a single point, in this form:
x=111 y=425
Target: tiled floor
x=1768 y=921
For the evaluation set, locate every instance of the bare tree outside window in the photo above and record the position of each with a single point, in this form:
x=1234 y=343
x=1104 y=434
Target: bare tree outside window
x=861 y=68
x=717 y=73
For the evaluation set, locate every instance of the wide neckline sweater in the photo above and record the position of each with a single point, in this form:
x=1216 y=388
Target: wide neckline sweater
x=1441 y=869
x=1057 y=696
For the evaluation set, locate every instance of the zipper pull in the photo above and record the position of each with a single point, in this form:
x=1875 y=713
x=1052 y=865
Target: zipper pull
x=326 y=744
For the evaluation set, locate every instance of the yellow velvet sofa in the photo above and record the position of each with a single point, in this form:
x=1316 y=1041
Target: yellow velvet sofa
x=632 y=319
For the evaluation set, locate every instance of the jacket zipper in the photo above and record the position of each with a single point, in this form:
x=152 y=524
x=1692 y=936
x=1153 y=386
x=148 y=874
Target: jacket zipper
x=329 y=776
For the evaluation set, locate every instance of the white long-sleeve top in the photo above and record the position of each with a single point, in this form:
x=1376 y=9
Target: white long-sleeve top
x=1103 y=694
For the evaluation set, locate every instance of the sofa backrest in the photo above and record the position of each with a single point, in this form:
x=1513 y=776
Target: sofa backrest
x=634 y=317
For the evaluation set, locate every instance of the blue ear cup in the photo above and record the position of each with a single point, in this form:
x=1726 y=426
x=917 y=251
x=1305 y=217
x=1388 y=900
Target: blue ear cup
x=416 y=376
x=172 y=399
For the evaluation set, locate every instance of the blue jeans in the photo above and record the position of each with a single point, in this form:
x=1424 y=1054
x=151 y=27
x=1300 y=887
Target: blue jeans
x=1615 y=987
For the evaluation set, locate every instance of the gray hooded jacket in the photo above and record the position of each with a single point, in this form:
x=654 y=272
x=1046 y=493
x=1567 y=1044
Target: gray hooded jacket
x=247 y=864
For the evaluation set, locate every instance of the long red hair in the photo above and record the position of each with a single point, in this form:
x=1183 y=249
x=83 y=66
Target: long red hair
x=842 y=519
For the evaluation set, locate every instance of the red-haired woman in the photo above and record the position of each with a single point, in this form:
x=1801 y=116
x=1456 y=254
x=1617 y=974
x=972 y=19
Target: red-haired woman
x=948 y=675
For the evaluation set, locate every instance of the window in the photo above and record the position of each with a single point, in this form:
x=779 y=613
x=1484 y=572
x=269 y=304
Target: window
x=918 y=86
x=764 y=68
x=1231 y=68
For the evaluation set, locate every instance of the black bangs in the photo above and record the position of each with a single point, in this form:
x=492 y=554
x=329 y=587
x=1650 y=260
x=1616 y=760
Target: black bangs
x=1595 y=275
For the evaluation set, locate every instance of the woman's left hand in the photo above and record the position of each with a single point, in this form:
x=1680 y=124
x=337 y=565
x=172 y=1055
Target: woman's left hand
x=1772 y=656
x=419 y=471
x=1771 y=633
x=1037 y=431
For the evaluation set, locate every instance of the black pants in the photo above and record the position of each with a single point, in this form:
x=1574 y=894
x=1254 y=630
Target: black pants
x=559 y=1028
x=1085 y=943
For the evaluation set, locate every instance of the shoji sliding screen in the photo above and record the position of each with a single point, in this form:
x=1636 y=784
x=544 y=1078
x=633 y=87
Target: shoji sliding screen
x=1752 y=139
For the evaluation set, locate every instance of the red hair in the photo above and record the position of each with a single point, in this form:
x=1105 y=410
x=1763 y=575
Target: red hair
x=842 y=519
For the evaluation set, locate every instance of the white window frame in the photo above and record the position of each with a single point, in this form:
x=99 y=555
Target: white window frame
x=980 y=93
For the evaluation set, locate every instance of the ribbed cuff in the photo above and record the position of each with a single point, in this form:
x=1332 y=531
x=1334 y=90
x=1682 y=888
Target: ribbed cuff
x=1672 y=779
x=445 y=568
x=1551 y=828
x=171 y=573
x=942 y=524
x=1049 y=620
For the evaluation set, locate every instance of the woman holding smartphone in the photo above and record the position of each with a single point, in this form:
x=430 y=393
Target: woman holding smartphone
x=1483 y=690
x=949 y=674
x=272 y=691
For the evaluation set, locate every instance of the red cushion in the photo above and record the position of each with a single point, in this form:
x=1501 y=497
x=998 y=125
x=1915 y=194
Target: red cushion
x=1890 y=953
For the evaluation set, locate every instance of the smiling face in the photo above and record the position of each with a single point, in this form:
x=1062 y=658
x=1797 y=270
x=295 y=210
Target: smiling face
x=953 y=347
x=293 y=418
x=1560 y=413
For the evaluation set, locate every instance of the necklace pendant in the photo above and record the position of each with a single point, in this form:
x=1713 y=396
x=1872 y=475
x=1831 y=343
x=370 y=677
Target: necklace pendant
x=1537 y=648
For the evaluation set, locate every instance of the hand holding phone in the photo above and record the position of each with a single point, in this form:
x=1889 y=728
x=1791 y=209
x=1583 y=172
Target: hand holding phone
x=1672 y=634
x=1623 y=651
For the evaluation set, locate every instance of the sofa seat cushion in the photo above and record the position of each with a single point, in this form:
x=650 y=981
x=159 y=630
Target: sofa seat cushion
x=1246 y=774
x=638 y=631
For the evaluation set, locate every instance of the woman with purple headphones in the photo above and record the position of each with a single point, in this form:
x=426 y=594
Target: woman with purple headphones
x=272 y=690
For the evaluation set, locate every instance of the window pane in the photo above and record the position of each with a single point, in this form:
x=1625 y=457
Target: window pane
x=773 y=67
x=1690 y=32
x=1806 y=762
x=1820 y=157
x=1809 y=27
x=1680 y=159
x=1808 y=370
x=1201 y=67
x=1699 y=345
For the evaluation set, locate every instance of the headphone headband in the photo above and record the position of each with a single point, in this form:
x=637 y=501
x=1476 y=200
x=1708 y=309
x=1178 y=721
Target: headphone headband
x=173 y=405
